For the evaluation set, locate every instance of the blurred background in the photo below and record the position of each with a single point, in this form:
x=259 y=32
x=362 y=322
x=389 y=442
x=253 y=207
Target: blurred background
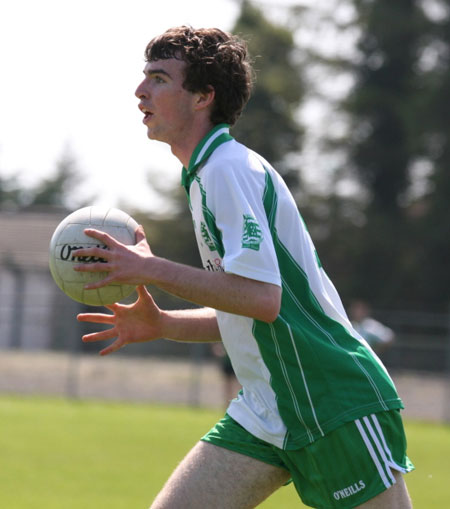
x=351 y=106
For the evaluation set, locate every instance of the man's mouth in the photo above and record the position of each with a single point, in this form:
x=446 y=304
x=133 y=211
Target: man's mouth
x=147 y=114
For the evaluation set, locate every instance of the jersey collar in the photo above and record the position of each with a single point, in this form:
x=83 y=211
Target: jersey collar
x=218 y=135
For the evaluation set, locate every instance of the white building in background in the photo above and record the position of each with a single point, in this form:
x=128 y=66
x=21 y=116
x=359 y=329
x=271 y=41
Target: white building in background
x=34 y=312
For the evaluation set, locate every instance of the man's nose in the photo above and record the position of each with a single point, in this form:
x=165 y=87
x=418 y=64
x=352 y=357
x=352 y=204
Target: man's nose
x=140 y=92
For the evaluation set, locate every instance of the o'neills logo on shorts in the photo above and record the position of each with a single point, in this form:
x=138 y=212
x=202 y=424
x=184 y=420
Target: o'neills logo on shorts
x=350 y=490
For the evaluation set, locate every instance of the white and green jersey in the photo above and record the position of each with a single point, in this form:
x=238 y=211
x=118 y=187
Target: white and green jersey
x=309 y=371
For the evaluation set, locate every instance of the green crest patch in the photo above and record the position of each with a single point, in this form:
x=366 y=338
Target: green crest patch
x=252 y=235
x=206 y=237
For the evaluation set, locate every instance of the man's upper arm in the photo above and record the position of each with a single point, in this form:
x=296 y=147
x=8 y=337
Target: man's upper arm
x=236 y=200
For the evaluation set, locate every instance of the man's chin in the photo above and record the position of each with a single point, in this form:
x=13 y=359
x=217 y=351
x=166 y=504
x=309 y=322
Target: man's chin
x=151 y=135
x=155 y=136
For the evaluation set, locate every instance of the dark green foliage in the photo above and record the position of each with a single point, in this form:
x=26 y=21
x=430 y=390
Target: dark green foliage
x=268 y=125
x=393 y=125
x=391 y=244
x=56 y=191
x=10 y=193
x=386 y=84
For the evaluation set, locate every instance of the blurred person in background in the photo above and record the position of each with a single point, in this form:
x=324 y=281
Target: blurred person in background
x=231 y=385
x=379 y=336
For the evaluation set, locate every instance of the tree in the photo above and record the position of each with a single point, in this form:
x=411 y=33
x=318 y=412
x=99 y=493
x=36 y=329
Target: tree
x=10 y=193
x=400 y=121
x=383 y=99
x=383 y=144
x=431 y=261
x=268 y=124
x=58 y=190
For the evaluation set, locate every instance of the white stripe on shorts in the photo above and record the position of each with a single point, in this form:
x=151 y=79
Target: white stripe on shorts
x=392 y=463
x=381 y=451
x=373 y=455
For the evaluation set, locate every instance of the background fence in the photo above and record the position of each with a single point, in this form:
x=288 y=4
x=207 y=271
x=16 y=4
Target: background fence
x=41 y=352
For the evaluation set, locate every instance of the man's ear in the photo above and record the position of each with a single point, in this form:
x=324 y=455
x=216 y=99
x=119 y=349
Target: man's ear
x=205 y=99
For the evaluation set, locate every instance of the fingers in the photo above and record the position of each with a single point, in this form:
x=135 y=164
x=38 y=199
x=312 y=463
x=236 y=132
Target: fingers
x=140 y=234
x=100 y=336
x=143 y=293
x=99 y=284
x=96 y=268
x=113 y=307
x=113 y=347
x=89 y=256
x=96 y=318
x=93 y=256
x=104 y=237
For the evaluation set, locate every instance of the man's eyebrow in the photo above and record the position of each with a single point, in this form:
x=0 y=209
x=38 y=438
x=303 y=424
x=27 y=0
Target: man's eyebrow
x=152 y=72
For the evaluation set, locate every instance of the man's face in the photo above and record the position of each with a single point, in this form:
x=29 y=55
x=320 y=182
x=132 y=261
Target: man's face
x=168 y=108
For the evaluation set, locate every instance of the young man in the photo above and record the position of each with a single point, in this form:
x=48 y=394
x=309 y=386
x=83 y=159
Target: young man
x=317 y=405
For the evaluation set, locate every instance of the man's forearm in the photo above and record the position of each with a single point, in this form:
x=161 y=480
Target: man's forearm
x=218 y=290
x=191 y=325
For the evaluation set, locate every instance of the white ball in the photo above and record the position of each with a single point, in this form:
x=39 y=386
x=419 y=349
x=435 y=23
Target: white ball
x=69 y=236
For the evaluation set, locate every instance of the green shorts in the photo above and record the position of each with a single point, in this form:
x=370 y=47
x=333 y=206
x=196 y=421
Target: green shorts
x=344 y=469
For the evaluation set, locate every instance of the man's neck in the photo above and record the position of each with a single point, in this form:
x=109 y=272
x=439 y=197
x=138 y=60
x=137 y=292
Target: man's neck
x=183 y=149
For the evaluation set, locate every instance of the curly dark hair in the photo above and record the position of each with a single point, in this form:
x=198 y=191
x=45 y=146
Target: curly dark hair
x=214 y=59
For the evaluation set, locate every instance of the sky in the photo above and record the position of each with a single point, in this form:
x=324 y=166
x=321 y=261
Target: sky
x=68 y=71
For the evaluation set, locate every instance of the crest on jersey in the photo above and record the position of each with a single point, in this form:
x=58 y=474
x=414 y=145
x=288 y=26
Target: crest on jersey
x=252 y=235
x=207 y=237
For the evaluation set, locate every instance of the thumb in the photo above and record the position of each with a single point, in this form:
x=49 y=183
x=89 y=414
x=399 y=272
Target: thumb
x=140 y=234
x=112 y=307
x=144 y=294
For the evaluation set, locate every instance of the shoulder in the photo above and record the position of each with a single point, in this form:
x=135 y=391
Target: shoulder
x=233 y=160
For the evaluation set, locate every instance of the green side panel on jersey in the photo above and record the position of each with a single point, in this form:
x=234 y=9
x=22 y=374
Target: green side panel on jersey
x=216 y=234
x=322 y=376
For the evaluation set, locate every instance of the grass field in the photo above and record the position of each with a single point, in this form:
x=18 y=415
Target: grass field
x=59 y=454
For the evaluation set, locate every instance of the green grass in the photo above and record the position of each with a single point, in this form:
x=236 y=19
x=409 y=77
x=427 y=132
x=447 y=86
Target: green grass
x=68 y=454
